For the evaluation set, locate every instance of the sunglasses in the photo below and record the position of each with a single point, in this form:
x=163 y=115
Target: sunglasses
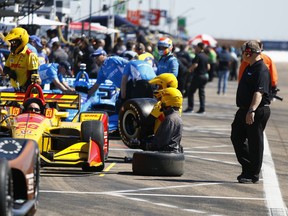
x=34 y=109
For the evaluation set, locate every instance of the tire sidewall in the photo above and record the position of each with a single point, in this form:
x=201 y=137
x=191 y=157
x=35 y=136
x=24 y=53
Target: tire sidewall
x=131 y=118
x=6 y=188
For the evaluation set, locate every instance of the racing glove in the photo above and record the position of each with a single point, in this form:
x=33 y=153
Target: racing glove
x=157 y=109
x=11 y=73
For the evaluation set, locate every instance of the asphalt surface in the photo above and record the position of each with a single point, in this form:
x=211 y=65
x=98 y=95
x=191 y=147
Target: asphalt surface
x=208 y=186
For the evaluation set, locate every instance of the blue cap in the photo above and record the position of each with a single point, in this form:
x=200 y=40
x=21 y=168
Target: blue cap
x=36 y=39
x=98 y=52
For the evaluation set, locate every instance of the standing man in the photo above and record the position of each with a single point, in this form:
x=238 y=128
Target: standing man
x=35 y=41
x=200 y=67
x=143 y=55
x=224 y=62
x=167 y=63
x=250 y=120
x=58 y=54
x=21 y=62
x=82 y=54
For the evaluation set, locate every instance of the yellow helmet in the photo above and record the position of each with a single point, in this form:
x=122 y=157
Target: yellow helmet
x=17 y=34
x=165 y=80
x=171 y=97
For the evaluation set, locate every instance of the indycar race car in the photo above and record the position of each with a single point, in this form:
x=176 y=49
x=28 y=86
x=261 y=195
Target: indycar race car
x=19 y=176
x=103 y=100
x=83 y=141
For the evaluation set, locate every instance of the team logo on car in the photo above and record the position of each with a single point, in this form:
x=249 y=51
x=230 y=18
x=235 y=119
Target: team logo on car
x=10 y=147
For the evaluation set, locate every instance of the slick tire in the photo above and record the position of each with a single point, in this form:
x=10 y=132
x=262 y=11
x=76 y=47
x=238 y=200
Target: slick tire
x=131 y=118
x=36 y=179
x=6 y=192
x=154 y=163
x=95 y=130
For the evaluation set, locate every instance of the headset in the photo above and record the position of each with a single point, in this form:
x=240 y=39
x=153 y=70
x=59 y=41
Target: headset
x=249 y=51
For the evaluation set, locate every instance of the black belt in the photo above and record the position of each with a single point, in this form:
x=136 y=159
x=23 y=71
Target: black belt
x=246 y=108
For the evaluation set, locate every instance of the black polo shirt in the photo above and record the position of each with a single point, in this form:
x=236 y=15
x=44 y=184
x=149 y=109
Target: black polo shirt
x=202 y=60
x=255 y=78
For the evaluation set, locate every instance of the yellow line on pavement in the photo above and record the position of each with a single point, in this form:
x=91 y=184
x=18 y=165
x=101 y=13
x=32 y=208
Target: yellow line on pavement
x=107 y=169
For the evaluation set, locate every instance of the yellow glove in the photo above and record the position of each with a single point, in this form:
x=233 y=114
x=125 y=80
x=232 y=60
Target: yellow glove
x=156 y=111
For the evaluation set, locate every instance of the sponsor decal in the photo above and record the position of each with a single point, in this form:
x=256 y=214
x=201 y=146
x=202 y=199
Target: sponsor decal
x=30 y=181
x=10 y=147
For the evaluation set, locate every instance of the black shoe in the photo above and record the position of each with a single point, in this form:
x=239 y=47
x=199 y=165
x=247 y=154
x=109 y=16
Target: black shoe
x=200 y=112
x=244 y=179
x=188 y=110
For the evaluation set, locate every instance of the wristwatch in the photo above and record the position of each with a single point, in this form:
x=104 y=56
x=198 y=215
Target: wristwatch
x=251 y=110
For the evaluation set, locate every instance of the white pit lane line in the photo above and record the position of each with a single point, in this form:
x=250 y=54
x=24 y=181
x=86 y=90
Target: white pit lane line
x=272 y=191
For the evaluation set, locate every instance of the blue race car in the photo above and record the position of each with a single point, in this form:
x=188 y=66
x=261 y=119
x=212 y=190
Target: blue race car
x=103 y=100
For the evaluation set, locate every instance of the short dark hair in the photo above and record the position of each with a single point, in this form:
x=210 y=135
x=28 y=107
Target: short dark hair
x=201 y=45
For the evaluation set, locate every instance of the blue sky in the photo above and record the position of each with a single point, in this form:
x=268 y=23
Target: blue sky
x=229 y=19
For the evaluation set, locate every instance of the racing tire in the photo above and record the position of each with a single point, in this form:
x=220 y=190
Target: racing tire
x=95 y=130
x=131 y=118
x=36 y=180
x=154 y=163
x=6 y=192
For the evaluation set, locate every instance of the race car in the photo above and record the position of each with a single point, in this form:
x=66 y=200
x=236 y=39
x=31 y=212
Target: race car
x=19 y=176
x=103 y=100
x=83 y=141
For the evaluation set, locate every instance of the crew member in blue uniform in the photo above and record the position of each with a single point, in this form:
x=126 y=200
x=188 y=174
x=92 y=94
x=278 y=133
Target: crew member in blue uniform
x=168 y=63
x=135 y=79
x=53 y=74
x=110 y=68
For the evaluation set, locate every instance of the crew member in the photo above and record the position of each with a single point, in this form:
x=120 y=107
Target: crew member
x=253 y=101
x=168 y=63
x=21 y=62
x=169 y=134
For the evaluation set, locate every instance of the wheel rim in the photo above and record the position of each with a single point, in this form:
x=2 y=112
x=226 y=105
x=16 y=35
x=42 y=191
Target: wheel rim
x=130 y=125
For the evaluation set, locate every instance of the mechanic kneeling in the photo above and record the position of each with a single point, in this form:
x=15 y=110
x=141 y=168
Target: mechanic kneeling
x=169 y=134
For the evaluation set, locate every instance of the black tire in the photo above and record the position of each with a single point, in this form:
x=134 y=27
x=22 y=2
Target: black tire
x=6 y=192
x=36 y=179
x=95 y=131
x=149 y=163
x=131 y=117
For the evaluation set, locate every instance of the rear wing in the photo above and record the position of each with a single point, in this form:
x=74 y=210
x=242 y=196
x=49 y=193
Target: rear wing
x=63 y=101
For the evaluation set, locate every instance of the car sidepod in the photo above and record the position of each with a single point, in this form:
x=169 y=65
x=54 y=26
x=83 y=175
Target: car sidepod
x=23 y=161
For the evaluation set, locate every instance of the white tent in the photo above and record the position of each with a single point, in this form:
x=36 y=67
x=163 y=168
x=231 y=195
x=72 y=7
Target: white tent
x=32 y=20
x=39 y=21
